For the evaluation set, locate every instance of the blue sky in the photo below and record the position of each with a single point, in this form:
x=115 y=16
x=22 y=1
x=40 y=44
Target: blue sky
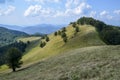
x=32 y=12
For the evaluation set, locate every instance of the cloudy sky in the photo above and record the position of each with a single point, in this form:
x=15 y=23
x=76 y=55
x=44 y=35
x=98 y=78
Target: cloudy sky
x=32 y=12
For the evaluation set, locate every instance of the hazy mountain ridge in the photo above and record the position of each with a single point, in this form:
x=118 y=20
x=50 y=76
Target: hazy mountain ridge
x=40 y=28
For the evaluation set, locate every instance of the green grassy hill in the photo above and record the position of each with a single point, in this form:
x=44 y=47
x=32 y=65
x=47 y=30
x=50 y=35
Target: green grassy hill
x=84 y=57
x=87 y=36
x=88 y=63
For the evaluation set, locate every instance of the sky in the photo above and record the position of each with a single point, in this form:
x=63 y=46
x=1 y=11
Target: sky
x=32 y=12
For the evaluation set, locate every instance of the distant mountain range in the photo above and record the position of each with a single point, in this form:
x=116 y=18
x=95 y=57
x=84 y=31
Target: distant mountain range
x=41 y=28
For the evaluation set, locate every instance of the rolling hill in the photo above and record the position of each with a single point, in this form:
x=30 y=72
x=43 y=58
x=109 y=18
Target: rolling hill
x=87 y=36
x=8 y=36
x=85 y=56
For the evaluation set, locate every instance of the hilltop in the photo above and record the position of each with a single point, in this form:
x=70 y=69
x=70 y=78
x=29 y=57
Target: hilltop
x=91 y=33
x=88 y=36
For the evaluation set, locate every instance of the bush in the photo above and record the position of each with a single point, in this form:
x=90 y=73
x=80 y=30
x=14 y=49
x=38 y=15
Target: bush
x=42 y=44
x=28 y=42
x=77 y=29
x=74 y=25
x=63 y=35
x=63 y=29
x=55 y=33
x=65 y=39
x=47 y=39
x=59 y=32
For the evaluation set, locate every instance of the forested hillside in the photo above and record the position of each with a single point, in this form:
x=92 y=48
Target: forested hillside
x=8 y=36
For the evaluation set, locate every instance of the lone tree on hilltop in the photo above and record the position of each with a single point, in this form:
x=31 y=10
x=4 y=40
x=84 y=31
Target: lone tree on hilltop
x=13 y=58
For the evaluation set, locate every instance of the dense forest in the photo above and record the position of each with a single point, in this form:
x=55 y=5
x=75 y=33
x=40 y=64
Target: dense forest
x=3 y=50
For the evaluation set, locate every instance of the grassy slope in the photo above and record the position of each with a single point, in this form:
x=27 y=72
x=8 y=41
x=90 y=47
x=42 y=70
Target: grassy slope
x=88 y=63
x=86 y=37
x=25 y=39
x=34 y=41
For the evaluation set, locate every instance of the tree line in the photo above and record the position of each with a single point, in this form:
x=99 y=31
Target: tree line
x=12 y=53
x=108 y=33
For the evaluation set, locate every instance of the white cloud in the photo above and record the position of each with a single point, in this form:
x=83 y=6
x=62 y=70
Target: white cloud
x=81 y=8
x=43 y=1
x=78 y=9
x=68 y=3
x=105 y=14
x=117 y=12
x=71 y=3
x=76 y=2
x=7 y=11
x=36 y=10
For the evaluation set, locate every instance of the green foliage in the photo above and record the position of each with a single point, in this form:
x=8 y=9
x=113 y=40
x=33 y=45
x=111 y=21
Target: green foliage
x=111 y=36
x=55 y=33
x=42 y=44
x=47 y=39
x=3 y=50
x=74 y=25
x=108 y=33
x=63 y=35
x=59 y=32
x=63 y=29
x=28 y=42
x=77 y=29
x=13 y=58
x=65 y=39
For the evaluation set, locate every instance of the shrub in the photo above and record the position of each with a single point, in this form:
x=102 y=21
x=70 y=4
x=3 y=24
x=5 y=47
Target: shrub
x=47 y=39
x=59 y=32
x=65 y=39
x=63 y=29
x=55 y=33
x=42 y=44
x=77 y=29
x=74 y=25
x=63 y=35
